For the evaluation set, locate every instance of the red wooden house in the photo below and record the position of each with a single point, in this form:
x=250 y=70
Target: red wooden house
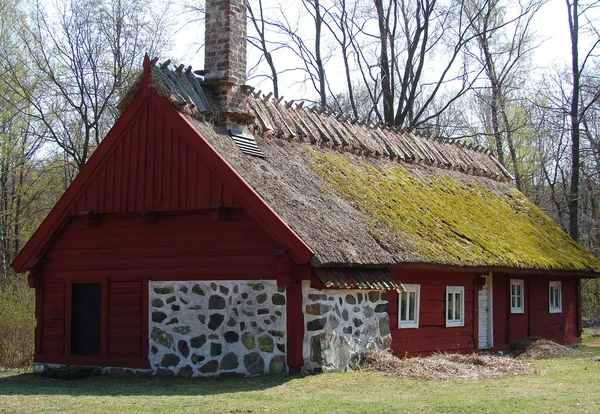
x=215 y=231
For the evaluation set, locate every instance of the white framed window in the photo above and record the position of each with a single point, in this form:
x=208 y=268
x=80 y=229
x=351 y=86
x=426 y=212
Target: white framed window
x=408 y=307
x=455 y=306
x=555 y=298
x=517 y=299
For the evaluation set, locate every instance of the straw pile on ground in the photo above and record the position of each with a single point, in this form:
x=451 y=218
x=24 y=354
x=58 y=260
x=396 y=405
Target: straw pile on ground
x=445 y=367
x=538 y=348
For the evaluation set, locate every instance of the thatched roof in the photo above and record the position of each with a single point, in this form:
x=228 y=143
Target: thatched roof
x=364 y=195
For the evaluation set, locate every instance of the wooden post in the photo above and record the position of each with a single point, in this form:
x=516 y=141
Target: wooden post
x=476 y=280
x=295 y=327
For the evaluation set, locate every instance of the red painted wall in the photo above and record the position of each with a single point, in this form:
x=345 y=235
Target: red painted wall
x=432 y=334
x=536 y=320
x=122 y=253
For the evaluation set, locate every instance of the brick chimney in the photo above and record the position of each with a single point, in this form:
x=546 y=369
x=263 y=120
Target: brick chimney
x=225 y=57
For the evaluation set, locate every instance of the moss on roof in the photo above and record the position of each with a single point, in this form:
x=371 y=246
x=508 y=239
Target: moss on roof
x=441 y=220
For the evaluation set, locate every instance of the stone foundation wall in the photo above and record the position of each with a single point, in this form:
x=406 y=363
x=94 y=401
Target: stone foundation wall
x=340 y=325
x=203 y=328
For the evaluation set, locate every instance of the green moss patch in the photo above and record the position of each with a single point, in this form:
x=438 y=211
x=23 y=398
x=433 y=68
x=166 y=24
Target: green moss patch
x=440 y=220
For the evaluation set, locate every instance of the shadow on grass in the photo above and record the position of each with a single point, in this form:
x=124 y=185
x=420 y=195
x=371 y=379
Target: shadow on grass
x=112 y=385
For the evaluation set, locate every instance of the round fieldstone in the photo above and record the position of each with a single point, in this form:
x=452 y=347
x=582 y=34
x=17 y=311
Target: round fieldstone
x=185 y=302
x=213 y=286
x=183 y=348
x=197 y=358
x=383 y=296
x=374 y=296
x=202 y=319
x=248 y=313
x=182 y=330
x=171 y=299
x=154 y=350
x=183 y=289
x=277 y=365
x=317 y=296
x=244 y=295
x=248 y=340
x=186 y=371
x=215 y=320
x=195 y=307
x=198 y=341
x=278 y=299
x=267 y=321
x=382 y=307
x=350 y=299
x=223 y=289
x=175 y=308
x=384 y=325
x=279 y=334
x=170 y=360
x=235 y=289
x=210 y=366
x=345 y=315
x=161 y=337
x=231 y=322
x=334 y=321
x=242 y=326
x=231 y=337
x=273 y=318
x=357 y=322
x=265 y=343
x=281 y=348
x=216 y=302
x=278 y=313
x=257 y=286
x=262 y=298
x=172 y=321
x=316 y=325
x=254 y=363
x=359 y=297
x=158 y=317
x=157 y=303
x=163 y=290
x=215 y=349
x=162 y=372
x=230 y=361
x=263 y=311
x=347 y=330
x=197 y=290
x=368 y=311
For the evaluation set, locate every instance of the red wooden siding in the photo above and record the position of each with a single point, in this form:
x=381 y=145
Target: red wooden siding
x=153 y=168
x=123 y=253
x=536 y=319
x=432 y=334
x=53 y=318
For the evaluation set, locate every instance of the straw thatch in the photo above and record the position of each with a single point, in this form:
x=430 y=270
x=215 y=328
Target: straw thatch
x=445 y=367
x=366 y=196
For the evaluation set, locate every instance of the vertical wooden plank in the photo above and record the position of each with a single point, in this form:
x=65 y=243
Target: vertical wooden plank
x=91 y=196
x=39 y=316
x=142 y=156
x=68 y=302
x=577 y=305
x=118 y=182
x=168 y=171
x=109 y=186
x=150 y=156
x=476 y=312
x=126 y=171
x=133 y=167
x=101 y=178
x=191 y=175
x=203 y=184
x=158 y=162
x=174 y=185
x=227 y=197
x=183 y=150
x=216 y=189
x=145 y=338
x=527 y=306
x=104 y=318
x=508 y=314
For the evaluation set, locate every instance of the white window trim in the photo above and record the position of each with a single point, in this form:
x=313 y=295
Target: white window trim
x=461 y=291
x=410 y=324
x=521 y=283
x=558 y=287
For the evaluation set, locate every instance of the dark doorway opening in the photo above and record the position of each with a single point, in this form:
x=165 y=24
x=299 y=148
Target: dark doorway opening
x=85 y=319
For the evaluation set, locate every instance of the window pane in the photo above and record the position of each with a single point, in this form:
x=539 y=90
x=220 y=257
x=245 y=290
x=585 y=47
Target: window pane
x=450 y=306
x=412 y=306
x=458 y=307
x=403 y=308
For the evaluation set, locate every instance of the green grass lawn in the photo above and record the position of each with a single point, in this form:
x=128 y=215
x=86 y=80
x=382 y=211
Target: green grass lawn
x=563 y=385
